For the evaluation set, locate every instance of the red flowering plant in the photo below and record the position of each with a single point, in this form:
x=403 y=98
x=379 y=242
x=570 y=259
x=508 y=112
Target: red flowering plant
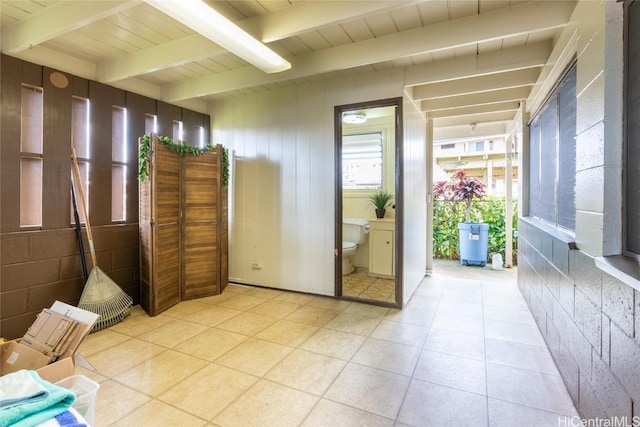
x=461 y=188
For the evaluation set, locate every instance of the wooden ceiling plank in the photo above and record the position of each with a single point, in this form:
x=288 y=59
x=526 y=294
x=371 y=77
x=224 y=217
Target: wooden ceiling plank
x=492 y=25
x=475 y=109
x=484 y=98
x=58 y=19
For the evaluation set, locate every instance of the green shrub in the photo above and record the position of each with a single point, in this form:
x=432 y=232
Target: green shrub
x=489 y=210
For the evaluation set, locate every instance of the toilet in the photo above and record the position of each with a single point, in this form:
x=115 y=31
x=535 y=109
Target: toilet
x=354 y=232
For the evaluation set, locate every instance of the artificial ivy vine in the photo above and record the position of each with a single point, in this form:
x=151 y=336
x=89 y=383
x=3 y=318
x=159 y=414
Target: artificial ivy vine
x=181 y=149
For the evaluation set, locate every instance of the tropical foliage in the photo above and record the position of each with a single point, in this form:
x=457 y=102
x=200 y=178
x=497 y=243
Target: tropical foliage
x=490 y=210
x=461 y=188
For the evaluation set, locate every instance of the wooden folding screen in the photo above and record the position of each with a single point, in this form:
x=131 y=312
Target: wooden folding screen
x=183 y=228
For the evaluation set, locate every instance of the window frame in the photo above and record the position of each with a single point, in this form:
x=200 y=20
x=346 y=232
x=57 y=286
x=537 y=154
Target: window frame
x=30 y=156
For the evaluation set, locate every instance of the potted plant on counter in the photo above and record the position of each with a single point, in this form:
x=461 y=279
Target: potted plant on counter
x=473 y=236
x=381 y=200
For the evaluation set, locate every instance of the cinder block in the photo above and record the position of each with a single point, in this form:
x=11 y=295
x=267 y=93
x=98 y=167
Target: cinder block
x=25 y=275
x=609 y=391
x=606 y=339
x=68 y=291
x=570 y=372
x=52 y=244
x=561 y=256
x=588 y=277
x=589 y=319
x=625 y=354
x=571 y=336
x=547 y=246
x=617 y=303
x=553 y=281
x=13 y=303
x=589 y=407
x=14 y=250
x=567 y=295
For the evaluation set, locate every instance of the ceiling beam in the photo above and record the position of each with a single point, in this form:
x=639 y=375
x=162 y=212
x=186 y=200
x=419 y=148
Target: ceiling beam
x=511 y=79
x=267 y=28
x=497 y=61
x=503 y=116
x=500 y=23
x=475 y=109
x=482 y=130
x=56 y=20
x=505 y=95
x=171 y=54
x=308 y=16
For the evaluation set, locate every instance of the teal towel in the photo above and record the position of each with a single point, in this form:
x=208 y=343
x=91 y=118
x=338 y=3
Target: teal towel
x=59 y=400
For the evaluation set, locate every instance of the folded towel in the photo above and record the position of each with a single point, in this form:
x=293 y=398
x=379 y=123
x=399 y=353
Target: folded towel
x=19 y=388
x=69 y=418
x=58 y=400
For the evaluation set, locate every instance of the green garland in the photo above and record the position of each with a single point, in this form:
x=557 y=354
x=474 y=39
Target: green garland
x=181 y=149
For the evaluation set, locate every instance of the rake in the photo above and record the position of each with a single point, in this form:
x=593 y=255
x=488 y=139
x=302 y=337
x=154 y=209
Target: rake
x=101 y=295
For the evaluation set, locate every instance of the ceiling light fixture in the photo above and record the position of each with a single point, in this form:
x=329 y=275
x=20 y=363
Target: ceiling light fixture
x=354 y=118
x=204 y=20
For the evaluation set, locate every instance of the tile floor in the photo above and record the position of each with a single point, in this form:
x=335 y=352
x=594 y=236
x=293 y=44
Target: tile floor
x=464 y=352
x=360 y=284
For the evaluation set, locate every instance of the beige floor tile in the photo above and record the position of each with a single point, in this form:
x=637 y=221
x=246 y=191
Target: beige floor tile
x=313 y=316
x=242 y=302
x=254 y=356
x=367 y=310
x=414 y=316
x=135 y=326
x=92 y=375
x=353 y=323
x=216 y=299
x=247 y=323
x=402 y=333
x=328 y=413
x=237 y=288
x=101 y=341
x=393 y=357
x=342 y=345
x=207 y=392
x=274 y=308
x=369 y=389
x=185 y=308
x=268 y=404
x=173 y=333
x=211 y=344
x=264 y=293
x=159 y=373
x=155 y=413
x=114 y=401
x=329 y=303
x=287 y=333
x=124 y=356
x=212 y=315
x=295 y=298
x=306 y=371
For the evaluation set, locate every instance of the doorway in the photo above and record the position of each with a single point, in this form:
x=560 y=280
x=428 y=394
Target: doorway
x=368 y=141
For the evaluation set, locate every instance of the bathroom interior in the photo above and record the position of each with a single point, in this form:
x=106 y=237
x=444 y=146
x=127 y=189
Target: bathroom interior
x=367 y=142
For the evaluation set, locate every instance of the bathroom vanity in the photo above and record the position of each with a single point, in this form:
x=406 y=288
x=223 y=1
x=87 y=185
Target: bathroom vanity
x=382 y=247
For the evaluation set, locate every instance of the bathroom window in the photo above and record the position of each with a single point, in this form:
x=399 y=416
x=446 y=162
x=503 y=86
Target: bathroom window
x=362 y=161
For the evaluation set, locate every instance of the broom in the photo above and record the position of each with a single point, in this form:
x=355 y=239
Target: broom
x=101 y=295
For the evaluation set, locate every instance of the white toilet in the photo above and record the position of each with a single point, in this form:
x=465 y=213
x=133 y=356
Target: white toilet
x=354 y=232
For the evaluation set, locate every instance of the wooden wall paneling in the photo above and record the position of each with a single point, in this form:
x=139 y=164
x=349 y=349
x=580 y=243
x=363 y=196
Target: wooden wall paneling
x=192 y=122
x=31 y=74
x=137 y=108
x=167 y=113
x=100 y=96
x=56 y=198
x=10 y=147
x=200 y=225
x=80 y=87
x=160 y=231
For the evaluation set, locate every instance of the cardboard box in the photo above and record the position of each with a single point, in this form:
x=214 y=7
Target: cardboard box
x=15 y=356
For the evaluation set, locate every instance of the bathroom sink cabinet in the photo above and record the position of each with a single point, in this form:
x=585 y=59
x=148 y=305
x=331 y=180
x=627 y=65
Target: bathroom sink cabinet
x=382 y=248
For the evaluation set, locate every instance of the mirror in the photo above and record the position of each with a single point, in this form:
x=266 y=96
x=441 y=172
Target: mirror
x=368 y=147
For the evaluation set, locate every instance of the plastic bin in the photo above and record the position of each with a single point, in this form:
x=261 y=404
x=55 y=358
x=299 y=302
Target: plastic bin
x=474 y=242
x=86 y=391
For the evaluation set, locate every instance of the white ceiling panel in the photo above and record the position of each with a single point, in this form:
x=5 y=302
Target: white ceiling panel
x=134 y=46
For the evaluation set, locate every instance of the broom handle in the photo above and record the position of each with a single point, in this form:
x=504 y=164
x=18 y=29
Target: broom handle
x=78 y=180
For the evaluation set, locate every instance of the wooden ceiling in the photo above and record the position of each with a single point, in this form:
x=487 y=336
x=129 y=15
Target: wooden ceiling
x=465 y=61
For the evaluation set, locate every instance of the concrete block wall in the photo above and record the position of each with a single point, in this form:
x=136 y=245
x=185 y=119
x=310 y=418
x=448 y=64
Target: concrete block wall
x=40 y=267
x=589 y=320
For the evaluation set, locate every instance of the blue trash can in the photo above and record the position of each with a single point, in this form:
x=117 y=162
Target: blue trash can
x=474 y=238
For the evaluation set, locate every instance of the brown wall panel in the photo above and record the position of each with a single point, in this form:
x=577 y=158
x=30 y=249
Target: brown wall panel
x=13 y=303
x=31 y=74
x=167 y=113
x=28 y=274
x=100 y=96
x=80 y=87
x=192 y=122
x=56 y=154
x=56 y=243
x=14 y=250
x=68 y=291
x=10 y=145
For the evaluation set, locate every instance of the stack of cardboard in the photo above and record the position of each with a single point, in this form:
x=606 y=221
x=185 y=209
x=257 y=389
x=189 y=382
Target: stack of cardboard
x=50 y=344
